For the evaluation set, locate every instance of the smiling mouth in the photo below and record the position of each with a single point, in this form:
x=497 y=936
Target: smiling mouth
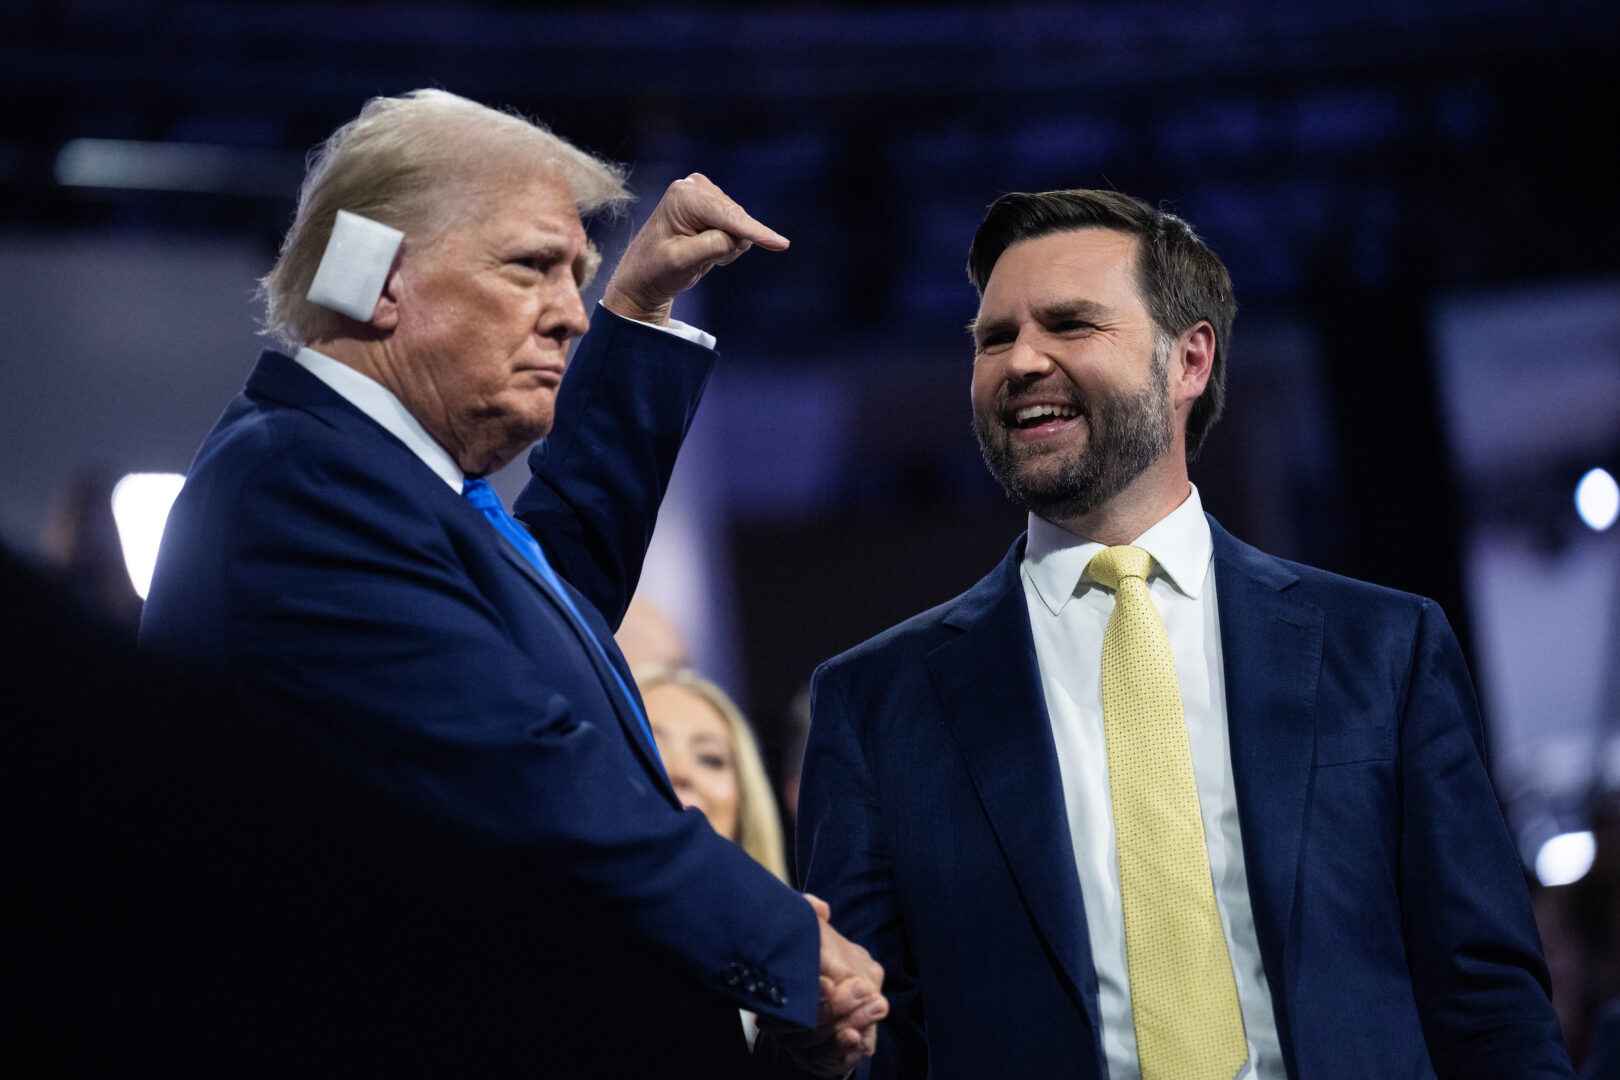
x=1035 y=415
x=1036 y=418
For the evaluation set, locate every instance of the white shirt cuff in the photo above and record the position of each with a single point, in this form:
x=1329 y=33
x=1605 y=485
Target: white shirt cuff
x=676 y=327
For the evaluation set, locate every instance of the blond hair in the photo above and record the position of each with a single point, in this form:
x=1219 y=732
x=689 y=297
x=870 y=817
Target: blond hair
x=414 y=162
x=759 y=826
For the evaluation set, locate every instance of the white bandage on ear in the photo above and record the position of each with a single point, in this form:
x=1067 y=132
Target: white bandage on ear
x=355 y=265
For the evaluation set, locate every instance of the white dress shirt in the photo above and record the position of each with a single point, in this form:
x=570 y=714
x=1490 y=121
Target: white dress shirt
x=1068 y=613
x=378 y=402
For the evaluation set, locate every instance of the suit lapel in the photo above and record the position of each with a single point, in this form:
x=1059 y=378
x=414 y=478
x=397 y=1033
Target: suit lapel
x=283 y=379
x=633 y=730
x=990 y=689
x=1272 y=646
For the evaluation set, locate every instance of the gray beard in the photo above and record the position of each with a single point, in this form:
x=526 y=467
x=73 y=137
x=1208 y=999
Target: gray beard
x=1128 y=433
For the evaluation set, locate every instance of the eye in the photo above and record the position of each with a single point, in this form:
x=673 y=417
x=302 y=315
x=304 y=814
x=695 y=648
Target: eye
x=1071 y=326
x=542 y=265
x=991 y=342
x=712 y=761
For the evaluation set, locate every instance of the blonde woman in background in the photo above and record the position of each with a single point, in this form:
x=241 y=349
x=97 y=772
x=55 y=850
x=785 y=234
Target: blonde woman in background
x=713 y=761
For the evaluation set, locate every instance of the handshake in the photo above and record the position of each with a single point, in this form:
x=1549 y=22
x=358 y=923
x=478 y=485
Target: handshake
x=848 y=1010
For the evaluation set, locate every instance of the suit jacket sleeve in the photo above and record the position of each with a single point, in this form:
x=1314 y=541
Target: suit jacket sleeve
x=1477 y=972
x=594 y=496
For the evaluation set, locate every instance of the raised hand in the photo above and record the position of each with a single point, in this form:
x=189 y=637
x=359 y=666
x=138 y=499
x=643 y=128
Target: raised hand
x=694 y=228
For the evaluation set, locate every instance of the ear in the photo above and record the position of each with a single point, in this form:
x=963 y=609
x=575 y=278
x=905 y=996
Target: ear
x=385 y=316
x=1193 y=360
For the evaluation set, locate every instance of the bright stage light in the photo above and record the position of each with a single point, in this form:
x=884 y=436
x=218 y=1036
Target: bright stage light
x=1565 y=858
x=140 y=506
x=1597 y=499
x=164 y=166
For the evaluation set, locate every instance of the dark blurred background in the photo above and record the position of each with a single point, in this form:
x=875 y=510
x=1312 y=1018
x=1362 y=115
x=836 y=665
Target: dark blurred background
x=1412 y=198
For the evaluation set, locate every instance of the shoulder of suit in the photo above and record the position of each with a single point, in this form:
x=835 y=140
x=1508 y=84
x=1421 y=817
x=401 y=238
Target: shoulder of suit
x=259 y=443
x=915 y=637
x=1323 y=587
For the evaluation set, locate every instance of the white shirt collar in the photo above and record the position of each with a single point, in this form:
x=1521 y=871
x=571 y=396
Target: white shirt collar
x=1055 y=559
x=378 y=402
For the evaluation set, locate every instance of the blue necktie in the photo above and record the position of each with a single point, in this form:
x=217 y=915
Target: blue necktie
x=480 y=494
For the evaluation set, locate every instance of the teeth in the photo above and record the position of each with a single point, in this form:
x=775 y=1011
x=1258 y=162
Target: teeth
x=1036 y=412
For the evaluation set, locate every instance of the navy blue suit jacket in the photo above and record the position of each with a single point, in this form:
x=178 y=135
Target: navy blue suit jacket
x=1392 y=915
x=347 y=592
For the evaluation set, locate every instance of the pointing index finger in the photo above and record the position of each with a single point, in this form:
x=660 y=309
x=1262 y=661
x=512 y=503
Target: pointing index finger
x=725 y=213
x=744 y=227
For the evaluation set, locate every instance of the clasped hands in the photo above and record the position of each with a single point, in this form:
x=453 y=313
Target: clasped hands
x=847 y=1012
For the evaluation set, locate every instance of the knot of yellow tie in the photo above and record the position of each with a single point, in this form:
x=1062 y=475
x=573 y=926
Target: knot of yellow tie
x=1112 y=565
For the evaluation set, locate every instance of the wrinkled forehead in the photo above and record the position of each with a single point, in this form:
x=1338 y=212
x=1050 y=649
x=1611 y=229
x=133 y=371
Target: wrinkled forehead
x=515 y=219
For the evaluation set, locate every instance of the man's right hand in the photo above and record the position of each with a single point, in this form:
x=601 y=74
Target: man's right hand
x=694 y=228
x=850 y=1006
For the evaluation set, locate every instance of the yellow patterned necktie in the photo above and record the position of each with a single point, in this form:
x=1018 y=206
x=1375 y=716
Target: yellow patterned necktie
x=1183 y=997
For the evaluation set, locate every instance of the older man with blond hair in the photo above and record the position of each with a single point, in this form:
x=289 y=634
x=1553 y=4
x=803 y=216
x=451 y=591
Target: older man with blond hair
x=339 y=559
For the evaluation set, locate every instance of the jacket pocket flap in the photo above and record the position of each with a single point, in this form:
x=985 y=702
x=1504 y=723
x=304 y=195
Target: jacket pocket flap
x=1358 y=744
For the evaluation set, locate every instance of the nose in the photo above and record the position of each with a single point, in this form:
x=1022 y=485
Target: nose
x=680 y=778
x=564 y=317
x=675 y=769
x=1026 y=359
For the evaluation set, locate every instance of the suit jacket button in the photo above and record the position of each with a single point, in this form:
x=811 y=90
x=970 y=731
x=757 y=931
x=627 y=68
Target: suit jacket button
x=776 y=997
x=733 y=973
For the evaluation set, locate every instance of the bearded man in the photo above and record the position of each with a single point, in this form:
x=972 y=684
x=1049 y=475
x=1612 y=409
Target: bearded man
x=1145 y=801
